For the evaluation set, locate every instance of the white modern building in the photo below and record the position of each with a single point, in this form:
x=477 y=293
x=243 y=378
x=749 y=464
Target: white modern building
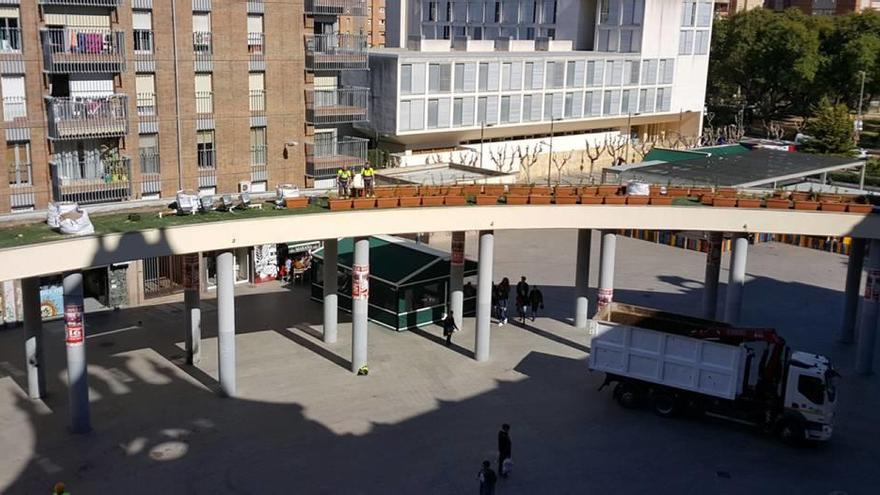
x=457 y=73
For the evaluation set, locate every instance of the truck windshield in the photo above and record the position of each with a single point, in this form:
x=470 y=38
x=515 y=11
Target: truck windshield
x=812 y=388
x=831 y=384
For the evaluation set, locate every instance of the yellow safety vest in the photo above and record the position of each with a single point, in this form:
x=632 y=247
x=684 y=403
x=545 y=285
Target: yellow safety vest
x=343 y=174
x=368 y=172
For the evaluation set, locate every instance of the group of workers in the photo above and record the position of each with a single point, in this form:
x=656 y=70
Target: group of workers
x=356 y=184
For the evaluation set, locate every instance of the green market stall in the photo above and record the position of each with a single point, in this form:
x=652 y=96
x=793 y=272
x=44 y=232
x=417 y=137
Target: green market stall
x=409 y=282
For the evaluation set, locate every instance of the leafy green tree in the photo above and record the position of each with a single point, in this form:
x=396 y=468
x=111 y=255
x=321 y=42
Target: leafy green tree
x=830 y=129
x=848 y=45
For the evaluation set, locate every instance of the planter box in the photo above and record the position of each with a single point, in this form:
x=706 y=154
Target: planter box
x=588 y=190
x=725 y=192
x=387 y=202
x=541 y=191
x=566 y=191
x=339 y=204
x=637 y=200
x=777 y=203
x=661 y=200
x=806 y=205
x=724 y=202
x=707 y=199
x=485 y=199
x=472 y=190
x=832 y=206
x=429 y=191
x=493 y=189
x=300 y=202
x=539 y=199
x=457 y=200
x=858 y=208
x=615 y=200
x=363 y=203
x=432 y=200
x=410 y=201
x=386 y=192
x=800 y=196
x=608 y=190
x=566 y=200
x=454 y=191
x=407 y=191
x=517 y=199
x=677 y=191
x=591 y=200
x=518 y=190
x=698 y=191
x=831 y=198
x=748 y=203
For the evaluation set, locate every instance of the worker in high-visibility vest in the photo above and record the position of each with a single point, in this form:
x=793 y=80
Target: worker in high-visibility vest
x=343 y=179
x=368 y=174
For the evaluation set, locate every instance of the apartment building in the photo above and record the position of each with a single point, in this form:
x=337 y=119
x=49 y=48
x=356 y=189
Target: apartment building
x=457 y=73
x=373 y=26
x=824 y=7
x=114 y=100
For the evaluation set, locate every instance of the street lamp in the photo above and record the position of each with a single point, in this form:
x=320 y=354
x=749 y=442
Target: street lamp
x=550 y=154
x=483 y=127
x=629 y=117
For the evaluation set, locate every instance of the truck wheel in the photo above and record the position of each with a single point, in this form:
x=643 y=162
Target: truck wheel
x=664 y=404
x=627 y=396
x=791 y=431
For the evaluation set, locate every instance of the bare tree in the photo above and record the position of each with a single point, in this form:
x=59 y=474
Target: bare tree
x=502 y=159
x=615 y=148
x=559 y=161
x=528 y=157
x=594 y=152
x=643 y=147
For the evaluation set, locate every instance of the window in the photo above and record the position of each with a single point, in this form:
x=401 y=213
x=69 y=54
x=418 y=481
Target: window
x=457 y=104
x=497 y=12
x=406 y=79
x=448 y=11
x=646 y=100
x=605 y=12
x=433 y=113
x=527 y=108
x=439 y=78
x=664 y=97
x=204 y=93
x=258 y=146
x=459 y=78
x=142 y=25
x=611 y=103
x=475 y=12
x=649 y=72
x=548 y=16
x=505 y=76
x=594 y=73
x=201 y=32
x=412 y=79
x=505 y=109
x=704 y=14
x=14 y=102
x=686 y=42
x=555 y=74
x=632 y=12
x=613 y=72
x=432 y=11
x=688 y=14
x=482 y=103
x=465 y=77
x=529 y=74
x=257 y=92
x=666 y=70
x=631 y=72
x=18 y=163
x=812 y=388
x=484 y=76
x=592 y=103
x=569 y=75
x=548 y=106
x=701 y=43
x=145 y=86
x=569 y=105
x=628 y=101
x=10 y=35
x=148 y=153
x=205 y=149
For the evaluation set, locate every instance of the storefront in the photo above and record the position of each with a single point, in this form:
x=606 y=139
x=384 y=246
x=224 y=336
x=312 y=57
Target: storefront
x=241 y=259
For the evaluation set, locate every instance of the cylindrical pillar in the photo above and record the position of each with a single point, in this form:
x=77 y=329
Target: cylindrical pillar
x=226 y=322
x=736 y=278
x=484 y=296
x=360 y=301
x=33 y=337
x=456 y=278
x=582 y=278
x=606 y=269
x=869 y=312
x=710 y=279
x=75 y=340
x=192 y=308
x=331 y=310
x=853 y=283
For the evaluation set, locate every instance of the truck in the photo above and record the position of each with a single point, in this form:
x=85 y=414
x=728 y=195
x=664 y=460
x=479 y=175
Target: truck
x=674 y=363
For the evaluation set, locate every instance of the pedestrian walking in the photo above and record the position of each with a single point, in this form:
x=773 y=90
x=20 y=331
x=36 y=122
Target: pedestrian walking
x=487 y=479
x=288 y=269
x=536 y=301
x=496 y=308
x=449 y=328
x=504 y=449
x=503 y=299
x=369 y=172
x=343 y=180
x=522 y=298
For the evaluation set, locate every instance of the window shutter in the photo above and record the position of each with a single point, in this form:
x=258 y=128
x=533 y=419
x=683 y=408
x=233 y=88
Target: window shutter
x=418 y=79
x=403 y=118
x=467 y=111
x=669 y=72
x=492 y=109
x=667 y=99
x=255 y=81
x=443 y=113
x=558 y=105
x=141 y=20
x=201 y=23
x=470 y=77
x=577 y=104
x=505 y=76
x=579 y=70
x=417 y=114
x=516 y=75
x=536 y=107
x=704 y=14
x=494 y=75
x=255 y=24
x=538 y=76
x=515 y=104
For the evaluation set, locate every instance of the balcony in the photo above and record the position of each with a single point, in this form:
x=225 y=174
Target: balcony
x=84 y=3
x=148 y=121
x=89 y=181
x=336 y=7
x=325 y=157
x=336 y=52
x=87 y=117
x=77 y=50
x=259 y=167
x=256 y=52
x=21 y=186
x=203 y=51
x=336 y=105
x=144 y=50
x=151 y=182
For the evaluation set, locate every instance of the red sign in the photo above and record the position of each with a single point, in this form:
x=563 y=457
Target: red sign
x=360 y=282
x=872 y=285
x=191 y=271
x=458 y=248
x=605 y=296
x=73 y=324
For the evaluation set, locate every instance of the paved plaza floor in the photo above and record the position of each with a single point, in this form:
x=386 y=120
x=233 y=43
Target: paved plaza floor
x=426 y=416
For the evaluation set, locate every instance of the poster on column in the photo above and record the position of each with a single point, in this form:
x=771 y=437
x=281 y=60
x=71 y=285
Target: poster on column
x=605 y=296
x=265 y=263
x=458 y=248
x=360 y=282
x=872 y=285
x=191 y=271
x=73 y=324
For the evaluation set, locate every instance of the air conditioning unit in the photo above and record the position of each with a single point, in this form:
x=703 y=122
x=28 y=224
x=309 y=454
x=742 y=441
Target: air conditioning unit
x=244 y=186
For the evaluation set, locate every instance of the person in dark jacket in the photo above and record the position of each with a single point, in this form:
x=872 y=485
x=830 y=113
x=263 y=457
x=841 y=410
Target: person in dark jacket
x=503 y=299
x=504 y=447
x=522 y=298
x=449 y=328
x=487 y=479
x=536 y=300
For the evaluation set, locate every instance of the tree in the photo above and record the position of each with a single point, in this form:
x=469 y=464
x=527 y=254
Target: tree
x=528 y=157
x=594 y=152
x=559 y=162
x=830 y=129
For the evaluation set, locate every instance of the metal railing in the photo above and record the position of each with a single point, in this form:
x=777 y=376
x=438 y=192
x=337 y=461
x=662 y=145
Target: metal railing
x=21 y=185
x=84 y=117
x=143 y=41
x=10 y=40
x=14 y=108
x=146 y=104
x=325 y=157
x=99 y=180
x=336 y=52
x=204 y=102
x=255 y=7
x=257 y=102
x=151 y=182
x=202 y=43
x=83 y=50
x=336 y=7
x=84 y=3
x=256 y=45
x=336 y=105
x=259 y=166
x=207 y=168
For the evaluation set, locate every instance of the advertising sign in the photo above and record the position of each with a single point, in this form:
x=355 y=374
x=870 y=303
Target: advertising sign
x=360 y=282
x=458 y=248
x=191 y=271
x=872 y=285
x=73 y=324
x=605 y=296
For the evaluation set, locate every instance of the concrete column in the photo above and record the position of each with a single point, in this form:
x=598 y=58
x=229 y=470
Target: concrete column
x=456 y=278
x=869 y=312
x=226 y=322
x=582 y=278
x=331 y=300
x=192 y=308
x=75 y=340
x=33 y=337
x=710 y=279
x=851 y=295
x=360 y=301
x=737 y=278
x=484 y=296
x=606 y=269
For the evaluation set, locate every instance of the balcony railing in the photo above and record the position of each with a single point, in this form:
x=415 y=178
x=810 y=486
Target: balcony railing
x=85 y=117
x=258 y=102
x=256 y=52
x=143 y=41
x=336 y=52
x=336 y=7
x=146 y=104
x=205 y=102
x=336 y=105
x=255 y=7
x=21 y=185
x=151 y=182
x=83 y=50
x=207 y=167
x=98 y=180
x=202 y=43
x=83 y=3
x=14 y=108
x=325 y=157
x=10 y=40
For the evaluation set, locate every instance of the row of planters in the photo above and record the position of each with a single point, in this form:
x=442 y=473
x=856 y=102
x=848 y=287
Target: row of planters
x=490 y=194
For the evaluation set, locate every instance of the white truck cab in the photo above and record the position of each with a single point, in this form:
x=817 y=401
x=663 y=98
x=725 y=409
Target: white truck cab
x=811 y=393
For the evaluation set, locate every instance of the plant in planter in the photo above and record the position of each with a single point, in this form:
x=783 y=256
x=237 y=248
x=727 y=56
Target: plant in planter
x=540 y=190
x=517 y=199
x=539 y=199
x=472 y=189
x=565 y=199
x=588 y=190
x=339 y=203
x=637 y=200
x=859 y=208
x=566 y=191
x=724 y=202
x=806 y=205
x=383 y=202
x=725 y=192
x=518 y=190
x=385 y=192
x=410 y=201
x=615 y=200
x=407 y=190
x=432 y=200
x=661 y=200
x=707 y=199
x=493 y=189
x=363 y=203
x=836 y=206
x=748 y=202
x=777 y=203
x=608 y=190
x=591 y=200
x=485 y=199
x=298 y=202
x=454 y=200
